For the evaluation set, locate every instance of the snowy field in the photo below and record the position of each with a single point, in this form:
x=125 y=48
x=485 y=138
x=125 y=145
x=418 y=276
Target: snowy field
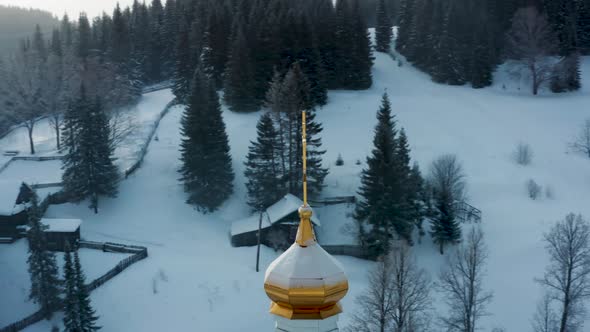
x=33 y=172
x=200 y=279
x=140 y=118
x=15 y=281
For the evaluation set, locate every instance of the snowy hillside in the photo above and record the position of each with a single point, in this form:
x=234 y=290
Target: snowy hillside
x=206 y=280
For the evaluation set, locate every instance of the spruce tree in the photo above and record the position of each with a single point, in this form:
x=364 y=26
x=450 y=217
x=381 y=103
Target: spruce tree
x=86 y=315
x=361 y=54
x=89 y=170
x=374 y=208
x=383 y=31
x=239 y=93
x=263 y=166
x=206 y=162
x=287 y=99
x=402 y=192
x=183 y=66
x=446 y=229
x=45 y=285
x=71 y=318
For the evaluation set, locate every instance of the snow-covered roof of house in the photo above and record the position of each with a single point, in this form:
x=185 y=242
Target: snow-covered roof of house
x=61 y=225
x=276 y=212
x=9 y=191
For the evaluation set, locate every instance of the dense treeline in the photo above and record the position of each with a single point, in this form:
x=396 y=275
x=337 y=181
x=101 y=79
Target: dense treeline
x=16 y=23
x=462 y=41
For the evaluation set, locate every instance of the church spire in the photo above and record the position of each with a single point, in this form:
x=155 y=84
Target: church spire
x=305 y=283
x=305 y=234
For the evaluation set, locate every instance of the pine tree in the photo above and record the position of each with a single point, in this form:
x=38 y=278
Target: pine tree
x=403 y=193
x=184 y=66
x=263 y=166
x=45 y=285
x=445 y=226
x=83 y=41
x=89 y=170
x=383 y=31
x=287 y=99
x=86 y=315
x=206 y=162
x=71 y=318
x=373 y=210
x=361 y=53
x=239 y=91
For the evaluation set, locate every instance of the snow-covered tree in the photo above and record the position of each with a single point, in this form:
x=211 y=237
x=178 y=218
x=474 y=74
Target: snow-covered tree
x=71 y=318
x=581 y=143
x=45 y=285
x=263 y=166
x=383 y=31
x=89 y=170
x=447 y=183
x=567 y=277
x=206 y=161
x=461 y=285
x=530 y=41
x=398 y=297
x=86 y=315
x=387 y=206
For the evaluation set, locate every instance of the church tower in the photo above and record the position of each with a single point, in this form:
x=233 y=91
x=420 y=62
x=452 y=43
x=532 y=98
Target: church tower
x=305 y=283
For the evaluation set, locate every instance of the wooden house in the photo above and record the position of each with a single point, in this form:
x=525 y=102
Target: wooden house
x=278 y=225
x=14 y=200
x=60 y=233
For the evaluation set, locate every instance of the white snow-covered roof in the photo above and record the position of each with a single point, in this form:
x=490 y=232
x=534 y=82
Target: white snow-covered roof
x=9 y=191
x=61 y=225
x=304 y=267
x=273 y=214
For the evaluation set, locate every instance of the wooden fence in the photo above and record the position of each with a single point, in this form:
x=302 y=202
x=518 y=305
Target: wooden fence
x=346 y=250
x=139 y=253
x=145 y=146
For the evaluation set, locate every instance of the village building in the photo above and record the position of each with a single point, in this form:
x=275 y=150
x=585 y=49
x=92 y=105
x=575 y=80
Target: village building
x=278 y=226
x=14 y=200
x=61 y=233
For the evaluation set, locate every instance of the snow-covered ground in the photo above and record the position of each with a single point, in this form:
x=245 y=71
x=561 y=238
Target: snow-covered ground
x=203 y=283
x=15 y=281
x=33 y=172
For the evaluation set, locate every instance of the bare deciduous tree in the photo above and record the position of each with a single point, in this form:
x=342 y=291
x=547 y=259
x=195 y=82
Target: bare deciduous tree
x=462 y=285
x=567 y=277
x=398 y=298
x=533 y=189
x=447 y=175
x=24 y=86
x=531 y=41
x=581 y=143
x=523 y=154
x=544 y=319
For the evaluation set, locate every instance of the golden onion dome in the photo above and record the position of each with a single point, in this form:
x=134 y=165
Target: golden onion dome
x=305 y=282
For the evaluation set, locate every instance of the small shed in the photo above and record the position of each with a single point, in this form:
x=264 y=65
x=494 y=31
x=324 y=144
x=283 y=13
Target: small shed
x=279 y=225
x=61 y=232
x=14 y=201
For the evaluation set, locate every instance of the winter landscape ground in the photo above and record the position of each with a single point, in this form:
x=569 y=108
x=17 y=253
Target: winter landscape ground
x=194 y=280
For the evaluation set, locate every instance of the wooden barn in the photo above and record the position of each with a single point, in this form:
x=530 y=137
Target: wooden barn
x=279 y=225
x=60 y=233
x=14 y=199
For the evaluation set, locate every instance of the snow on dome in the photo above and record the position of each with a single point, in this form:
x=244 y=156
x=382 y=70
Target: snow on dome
x=61 y=225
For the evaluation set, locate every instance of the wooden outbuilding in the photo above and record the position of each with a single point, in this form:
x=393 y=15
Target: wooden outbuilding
x=279 y=225
x=14 y=201
x=60 y=233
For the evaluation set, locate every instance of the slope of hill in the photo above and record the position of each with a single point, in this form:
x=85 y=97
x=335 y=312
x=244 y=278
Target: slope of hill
x=194 y=279
x=17 y=23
